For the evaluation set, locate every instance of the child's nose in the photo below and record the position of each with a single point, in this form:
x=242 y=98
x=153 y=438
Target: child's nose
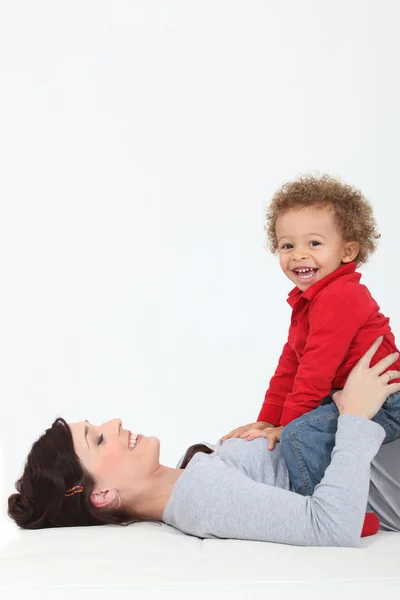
x=300 y=253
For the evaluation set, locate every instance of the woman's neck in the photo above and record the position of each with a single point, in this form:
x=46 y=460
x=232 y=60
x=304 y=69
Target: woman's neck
x=151 y=502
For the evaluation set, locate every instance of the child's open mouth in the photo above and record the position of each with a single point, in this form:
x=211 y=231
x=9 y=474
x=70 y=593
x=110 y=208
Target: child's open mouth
x=305 y=273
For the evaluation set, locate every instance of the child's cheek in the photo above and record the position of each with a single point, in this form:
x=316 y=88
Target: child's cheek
x=283 y=261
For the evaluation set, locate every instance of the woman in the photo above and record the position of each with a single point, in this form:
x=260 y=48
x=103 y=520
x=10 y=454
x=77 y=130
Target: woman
x=79 y=474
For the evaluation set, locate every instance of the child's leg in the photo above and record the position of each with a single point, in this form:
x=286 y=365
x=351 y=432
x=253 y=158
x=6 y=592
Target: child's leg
x=389 y=418
x=307 y=442
x=307 y=445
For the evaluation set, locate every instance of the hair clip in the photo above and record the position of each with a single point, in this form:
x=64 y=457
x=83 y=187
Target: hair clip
x=77 y=489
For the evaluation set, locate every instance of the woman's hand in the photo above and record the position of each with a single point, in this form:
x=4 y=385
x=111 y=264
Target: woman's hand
x=367 y=388
x=272 y=434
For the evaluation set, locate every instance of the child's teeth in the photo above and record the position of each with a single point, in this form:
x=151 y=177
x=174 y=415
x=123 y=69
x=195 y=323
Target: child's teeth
x=305 y=273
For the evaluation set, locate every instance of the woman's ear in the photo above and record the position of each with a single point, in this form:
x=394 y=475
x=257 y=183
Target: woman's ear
x=103 y=498
x=350 y=251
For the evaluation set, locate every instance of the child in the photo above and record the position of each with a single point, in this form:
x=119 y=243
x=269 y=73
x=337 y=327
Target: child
x=323 y=230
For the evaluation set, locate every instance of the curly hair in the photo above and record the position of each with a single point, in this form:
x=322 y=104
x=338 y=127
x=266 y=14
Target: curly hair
x=353 y=212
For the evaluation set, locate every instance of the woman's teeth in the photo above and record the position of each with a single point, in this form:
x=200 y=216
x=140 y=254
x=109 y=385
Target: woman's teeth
x=132 y=441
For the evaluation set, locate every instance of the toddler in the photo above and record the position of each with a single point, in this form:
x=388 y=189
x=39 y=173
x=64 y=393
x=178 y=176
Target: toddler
x=322 y=230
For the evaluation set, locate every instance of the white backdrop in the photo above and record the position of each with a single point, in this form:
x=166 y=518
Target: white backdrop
x=140 y=142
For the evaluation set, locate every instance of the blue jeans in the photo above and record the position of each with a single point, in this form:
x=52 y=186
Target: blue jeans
x=307 y=442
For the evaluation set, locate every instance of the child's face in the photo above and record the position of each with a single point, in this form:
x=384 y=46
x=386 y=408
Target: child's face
x=311 y=245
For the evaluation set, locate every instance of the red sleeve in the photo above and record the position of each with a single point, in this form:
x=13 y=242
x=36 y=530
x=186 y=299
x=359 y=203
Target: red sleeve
x=333 y=325
x=280 y=385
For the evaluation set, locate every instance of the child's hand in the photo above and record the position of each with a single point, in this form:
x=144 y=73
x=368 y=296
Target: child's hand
x=272 y=434
x=235 y=433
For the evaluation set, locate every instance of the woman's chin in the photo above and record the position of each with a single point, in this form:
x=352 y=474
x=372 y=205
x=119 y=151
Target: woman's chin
x=150 y=444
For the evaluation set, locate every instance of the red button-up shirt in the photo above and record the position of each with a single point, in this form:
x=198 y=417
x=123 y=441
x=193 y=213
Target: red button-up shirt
x=334 y=322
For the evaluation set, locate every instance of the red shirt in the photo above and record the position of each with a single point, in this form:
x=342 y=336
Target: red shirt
x=334 y=322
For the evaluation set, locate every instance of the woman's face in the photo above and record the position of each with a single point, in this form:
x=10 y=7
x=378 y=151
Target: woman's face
x=115 y=457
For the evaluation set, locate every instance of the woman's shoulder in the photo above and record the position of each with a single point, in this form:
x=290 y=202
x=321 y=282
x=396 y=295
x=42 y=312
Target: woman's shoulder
x=235 y=447
x=211 y=483
x=242 y=449
x=252 y=458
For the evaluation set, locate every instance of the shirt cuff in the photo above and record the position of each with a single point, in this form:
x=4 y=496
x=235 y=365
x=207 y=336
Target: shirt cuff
x=271 y=413
x=289 y=415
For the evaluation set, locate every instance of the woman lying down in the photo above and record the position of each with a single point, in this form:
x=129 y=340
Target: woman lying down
x=81 y=474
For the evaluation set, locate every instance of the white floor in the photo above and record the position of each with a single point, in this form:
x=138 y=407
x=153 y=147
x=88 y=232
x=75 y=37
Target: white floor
x=156 y=561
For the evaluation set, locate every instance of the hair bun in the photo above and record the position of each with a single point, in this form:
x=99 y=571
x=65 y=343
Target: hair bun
x=21 y=509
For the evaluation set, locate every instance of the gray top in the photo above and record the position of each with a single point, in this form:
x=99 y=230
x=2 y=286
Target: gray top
x=384 y=491
x=242 y=491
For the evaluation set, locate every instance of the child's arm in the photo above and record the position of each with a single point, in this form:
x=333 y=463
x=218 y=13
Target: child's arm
x=280 y=385
x=333 y=325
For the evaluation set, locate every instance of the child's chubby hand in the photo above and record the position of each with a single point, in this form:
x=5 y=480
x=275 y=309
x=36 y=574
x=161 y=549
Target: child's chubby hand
x=272 y=434
x=240 y=431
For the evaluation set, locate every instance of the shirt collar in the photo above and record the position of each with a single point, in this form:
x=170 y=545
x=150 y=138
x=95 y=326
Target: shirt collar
x=313 y=290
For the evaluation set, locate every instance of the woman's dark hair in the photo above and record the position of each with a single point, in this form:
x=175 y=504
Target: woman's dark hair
x=52 y=467
x=191 y=451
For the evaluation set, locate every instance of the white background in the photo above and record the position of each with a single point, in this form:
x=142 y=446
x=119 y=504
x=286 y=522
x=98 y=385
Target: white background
x=140 y=143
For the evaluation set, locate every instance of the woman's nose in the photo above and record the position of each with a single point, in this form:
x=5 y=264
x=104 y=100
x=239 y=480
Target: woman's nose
x=114 y=425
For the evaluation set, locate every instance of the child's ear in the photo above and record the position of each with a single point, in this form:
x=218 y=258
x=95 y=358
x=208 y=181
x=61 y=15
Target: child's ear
x=350 y=251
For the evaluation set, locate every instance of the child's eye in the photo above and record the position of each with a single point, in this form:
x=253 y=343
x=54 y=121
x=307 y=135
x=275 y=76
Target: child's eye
x=100 y=440
x=286 y=246
x=315 y=243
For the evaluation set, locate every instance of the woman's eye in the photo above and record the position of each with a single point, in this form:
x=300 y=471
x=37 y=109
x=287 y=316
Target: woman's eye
x=100 y=440
x=315 y=243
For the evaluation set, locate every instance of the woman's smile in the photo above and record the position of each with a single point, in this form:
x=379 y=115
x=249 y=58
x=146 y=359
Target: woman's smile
x=134 y=440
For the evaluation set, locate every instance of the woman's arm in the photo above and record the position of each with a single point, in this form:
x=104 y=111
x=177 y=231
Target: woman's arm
x=228 y=504
x=225 y=503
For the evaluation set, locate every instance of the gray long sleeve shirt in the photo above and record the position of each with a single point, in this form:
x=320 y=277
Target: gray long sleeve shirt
x=242 y=491
x=384 y=489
